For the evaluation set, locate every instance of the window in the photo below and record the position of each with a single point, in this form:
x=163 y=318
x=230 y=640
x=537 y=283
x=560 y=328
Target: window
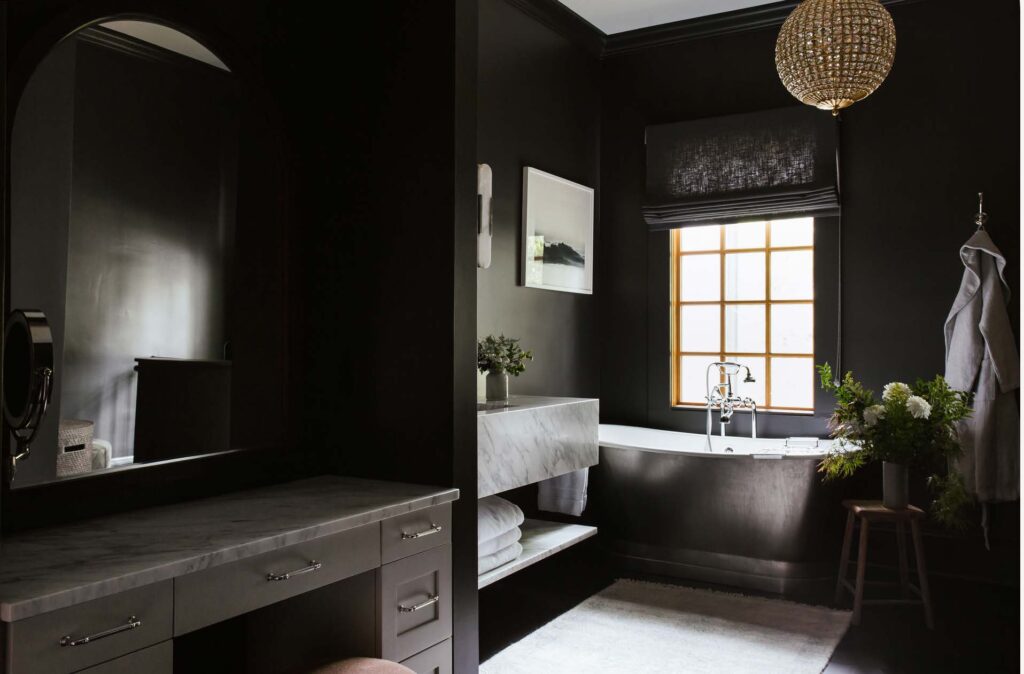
x=745 y=292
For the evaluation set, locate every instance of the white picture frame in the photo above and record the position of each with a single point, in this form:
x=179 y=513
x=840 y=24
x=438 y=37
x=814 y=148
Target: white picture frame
x=558 y=233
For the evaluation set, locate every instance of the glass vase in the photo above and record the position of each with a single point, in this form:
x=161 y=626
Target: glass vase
x=497 y=387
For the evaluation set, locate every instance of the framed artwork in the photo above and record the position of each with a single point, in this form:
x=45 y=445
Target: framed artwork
x=558 y=233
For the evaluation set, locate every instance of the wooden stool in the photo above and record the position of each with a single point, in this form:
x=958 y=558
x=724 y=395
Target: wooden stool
x=870 y=511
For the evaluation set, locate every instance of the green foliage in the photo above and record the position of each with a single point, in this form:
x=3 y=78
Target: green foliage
x=840 y=464
x=951 y=500
x=911 y=425
x=502 y=354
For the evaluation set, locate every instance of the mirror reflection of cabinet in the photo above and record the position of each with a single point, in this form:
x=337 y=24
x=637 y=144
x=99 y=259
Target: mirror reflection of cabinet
x=128 y=230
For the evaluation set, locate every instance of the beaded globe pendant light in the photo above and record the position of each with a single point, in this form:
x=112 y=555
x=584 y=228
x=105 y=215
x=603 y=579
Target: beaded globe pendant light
x=832 y=53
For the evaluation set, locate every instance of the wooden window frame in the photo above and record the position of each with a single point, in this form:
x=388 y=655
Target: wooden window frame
x=676 y=304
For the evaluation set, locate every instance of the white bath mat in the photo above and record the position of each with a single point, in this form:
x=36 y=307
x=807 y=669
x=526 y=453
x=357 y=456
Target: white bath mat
x=634 y=626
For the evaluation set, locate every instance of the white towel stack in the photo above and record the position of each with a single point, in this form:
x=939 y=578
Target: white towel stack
x=498 y=533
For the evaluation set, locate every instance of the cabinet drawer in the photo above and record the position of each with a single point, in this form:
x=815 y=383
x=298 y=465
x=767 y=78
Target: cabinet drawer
x=221 y=592
x=55 y=642
x=435 y=660
x=415 y=532
x=416 y=603
x=157 y=659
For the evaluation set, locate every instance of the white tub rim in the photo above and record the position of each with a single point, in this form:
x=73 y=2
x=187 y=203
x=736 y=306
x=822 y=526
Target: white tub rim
x=616 y=436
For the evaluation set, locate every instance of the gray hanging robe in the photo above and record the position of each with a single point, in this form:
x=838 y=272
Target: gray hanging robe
x=981 y=356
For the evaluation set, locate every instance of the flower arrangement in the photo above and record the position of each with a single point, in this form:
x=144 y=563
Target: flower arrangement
x=911 y=425
x=501 y=355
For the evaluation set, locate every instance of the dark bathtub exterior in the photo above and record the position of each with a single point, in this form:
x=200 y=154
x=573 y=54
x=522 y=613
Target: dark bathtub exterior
x=763 y=524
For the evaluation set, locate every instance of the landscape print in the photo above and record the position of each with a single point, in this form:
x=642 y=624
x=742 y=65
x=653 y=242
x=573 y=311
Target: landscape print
x=558 y=233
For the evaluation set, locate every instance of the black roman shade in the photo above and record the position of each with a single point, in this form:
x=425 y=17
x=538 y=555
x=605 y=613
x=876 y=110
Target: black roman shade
x=773 y=163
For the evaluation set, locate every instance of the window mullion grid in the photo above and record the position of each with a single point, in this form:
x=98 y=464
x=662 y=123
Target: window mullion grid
x=723 y=303
x=721 y=299
x=677 y=308
x=767 y=313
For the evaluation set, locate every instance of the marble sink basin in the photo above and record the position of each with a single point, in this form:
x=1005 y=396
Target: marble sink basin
x=533 y=438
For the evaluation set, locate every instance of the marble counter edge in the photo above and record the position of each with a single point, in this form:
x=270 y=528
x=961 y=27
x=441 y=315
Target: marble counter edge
x=21 y=609
x=533 y=403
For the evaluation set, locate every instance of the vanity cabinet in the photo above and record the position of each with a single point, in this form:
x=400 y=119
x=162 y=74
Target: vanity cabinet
x=212 y=595
x=157 y=659
x=418 y=531
x=84 y=635
x=193 y=566
x=435 y=660
x=415 y=601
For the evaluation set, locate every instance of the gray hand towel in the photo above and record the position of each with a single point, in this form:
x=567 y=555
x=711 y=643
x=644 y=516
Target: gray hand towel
x=566 y=494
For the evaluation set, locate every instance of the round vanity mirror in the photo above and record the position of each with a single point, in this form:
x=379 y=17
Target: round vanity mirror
x=143 y=225
x=28 y=377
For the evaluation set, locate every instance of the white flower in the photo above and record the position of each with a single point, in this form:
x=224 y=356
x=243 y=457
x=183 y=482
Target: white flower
x=895 y=389
x=918 y=407
x=873 y=414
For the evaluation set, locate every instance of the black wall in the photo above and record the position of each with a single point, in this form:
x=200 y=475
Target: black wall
x=539 y=106
x=913 y=156
x=388 y=287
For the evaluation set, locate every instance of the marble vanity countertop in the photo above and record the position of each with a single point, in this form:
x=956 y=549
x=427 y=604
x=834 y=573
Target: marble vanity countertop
x=522 y=403
x=533 y=439
x=48 y=569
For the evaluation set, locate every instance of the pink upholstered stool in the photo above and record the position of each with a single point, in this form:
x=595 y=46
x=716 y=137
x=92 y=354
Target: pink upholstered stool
x=363 y=666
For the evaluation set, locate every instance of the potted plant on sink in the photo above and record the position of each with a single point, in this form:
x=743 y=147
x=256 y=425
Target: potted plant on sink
x=910 y=426
x=500 y=357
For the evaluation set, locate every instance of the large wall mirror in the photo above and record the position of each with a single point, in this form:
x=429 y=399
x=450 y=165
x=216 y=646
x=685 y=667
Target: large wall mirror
x=140 y=227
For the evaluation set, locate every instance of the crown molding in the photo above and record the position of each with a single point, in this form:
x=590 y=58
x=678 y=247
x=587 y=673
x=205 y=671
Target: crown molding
x=575 y=28
x=563 y=20
x=713 y=25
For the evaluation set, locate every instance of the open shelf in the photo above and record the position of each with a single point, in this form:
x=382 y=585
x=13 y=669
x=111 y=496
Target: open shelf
x=540 y=540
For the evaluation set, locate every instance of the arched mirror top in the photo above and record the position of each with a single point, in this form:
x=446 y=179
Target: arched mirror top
x=165 y=37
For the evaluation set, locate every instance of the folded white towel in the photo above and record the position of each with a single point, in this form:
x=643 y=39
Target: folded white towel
x=496 y=516
x=485 y=564
x=500 y=543
x=566 y=494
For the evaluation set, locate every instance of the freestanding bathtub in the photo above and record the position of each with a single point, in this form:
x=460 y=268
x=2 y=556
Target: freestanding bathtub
x=748 y=513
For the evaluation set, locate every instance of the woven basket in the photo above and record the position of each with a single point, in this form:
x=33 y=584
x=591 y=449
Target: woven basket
x=74 y=440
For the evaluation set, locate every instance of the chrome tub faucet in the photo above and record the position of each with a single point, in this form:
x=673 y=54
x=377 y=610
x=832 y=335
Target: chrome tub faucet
x=722 y=397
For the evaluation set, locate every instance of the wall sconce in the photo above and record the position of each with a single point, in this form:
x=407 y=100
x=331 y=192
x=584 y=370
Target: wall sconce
x=484 y=217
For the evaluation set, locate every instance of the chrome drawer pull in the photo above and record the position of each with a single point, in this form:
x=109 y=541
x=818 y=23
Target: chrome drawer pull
x=132 y=623
x=313 y=566
x=411 y=609
x=434 y=529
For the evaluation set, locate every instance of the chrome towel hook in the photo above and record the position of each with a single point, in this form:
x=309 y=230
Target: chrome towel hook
x=981 y=217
